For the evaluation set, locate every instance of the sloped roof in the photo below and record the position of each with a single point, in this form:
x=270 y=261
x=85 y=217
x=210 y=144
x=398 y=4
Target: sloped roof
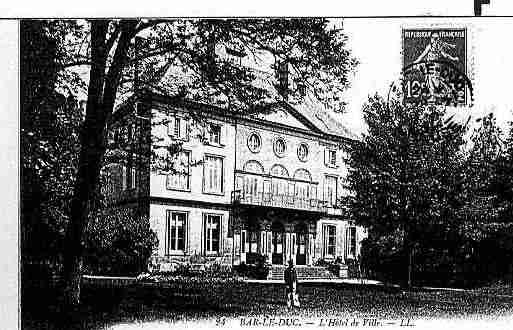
x=325 y=122
x=311 y=114
x=322 y=120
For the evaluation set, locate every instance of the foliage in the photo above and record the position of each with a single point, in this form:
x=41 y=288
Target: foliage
x=406 y=172
x=504 y=183
x=259 y=270
x=185 y=53
x=383 y=256
x=407 y=177
x=50 y=124
x=427 y=202
x=118 y=242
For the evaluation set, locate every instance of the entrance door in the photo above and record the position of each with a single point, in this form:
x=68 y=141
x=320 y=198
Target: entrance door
x=293 y=248
x=278 y=240
x=301 y=249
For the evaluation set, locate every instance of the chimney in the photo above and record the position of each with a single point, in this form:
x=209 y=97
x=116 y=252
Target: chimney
x=282 y=73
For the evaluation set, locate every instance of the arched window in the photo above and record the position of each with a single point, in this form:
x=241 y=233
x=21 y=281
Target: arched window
x=252 y=186
x=254 y=167
x=304 y=191
x=279 y=182
x=302 y=174
x=279 y=171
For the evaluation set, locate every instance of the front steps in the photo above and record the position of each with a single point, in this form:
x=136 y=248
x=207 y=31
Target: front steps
x=303 y=273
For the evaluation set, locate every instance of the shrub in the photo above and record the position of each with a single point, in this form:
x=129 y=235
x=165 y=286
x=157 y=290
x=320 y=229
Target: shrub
x=383 y=258
x=118 y=242
x=259 y=270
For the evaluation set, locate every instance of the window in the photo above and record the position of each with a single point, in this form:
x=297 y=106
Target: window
x=214 y=134
x=280 y=147
x=175 y=232
x=332 y=158
x=351 y=242
x=213 y=174
x=330 y=242
x=253 y=166
x=253 y=242
x=254 y=142
x=124 y=178
x=180 y=179
x=279 y=185
x=251 y=186
x=279 y=171
x=249 y=241
x=330 y=190
x=177 y=128
x=212 y=225
x=133 y=174
x=302 y=152
x=244 y=246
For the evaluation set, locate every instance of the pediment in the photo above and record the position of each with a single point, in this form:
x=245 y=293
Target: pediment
x=283 y=117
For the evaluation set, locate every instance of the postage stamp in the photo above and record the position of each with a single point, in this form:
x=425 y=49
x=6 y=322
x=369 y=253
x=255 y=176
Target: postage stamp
x=435 y=66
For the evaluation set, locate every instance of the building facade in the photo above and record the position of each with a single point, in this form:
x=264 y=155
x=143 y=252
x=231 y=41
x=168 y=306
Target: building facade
x=240 y=187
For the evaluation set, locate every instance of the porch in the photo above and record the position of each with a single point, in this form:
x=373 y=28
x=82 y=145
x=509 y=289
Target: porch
x=274 y=235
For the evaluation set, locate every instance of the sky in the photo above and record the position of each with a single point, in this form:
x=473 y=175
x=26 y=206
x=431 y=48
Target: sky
x=202 y=8
x=376 y=43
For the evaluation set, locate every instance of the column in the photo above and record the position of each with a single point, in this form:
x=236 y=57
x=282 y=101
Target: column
x=286 y=254
x=236 y=247
x=263 y=242
x=269 y=245
x=311 y=249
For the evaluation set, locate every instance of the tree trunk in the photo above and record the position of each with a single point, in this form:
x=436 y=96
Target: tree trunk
x=408 y=258
x=87 y=181
x=410 y=267
x=91 y=154
x=101 y=96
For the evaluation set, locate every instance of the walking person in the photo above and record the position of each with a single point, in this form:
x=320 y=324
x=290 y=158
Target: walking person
x=291 y=283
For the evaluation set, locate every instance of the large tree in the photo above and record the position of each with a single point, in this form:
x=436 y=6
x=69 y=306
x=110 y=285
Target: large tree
x=50 y=123
x=230 y=63
x=406 y=176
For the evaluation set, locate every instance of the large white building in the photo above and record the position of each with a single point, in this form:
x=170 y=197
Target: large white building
x=242 y=186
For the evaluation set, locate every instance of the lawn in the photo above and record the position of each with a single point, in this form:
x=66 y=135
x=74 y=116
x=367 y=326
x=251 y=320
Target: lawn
x=115 y=308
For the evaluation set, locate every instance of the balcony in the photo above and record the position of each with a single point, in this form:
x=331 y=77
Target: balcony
x=281 y=201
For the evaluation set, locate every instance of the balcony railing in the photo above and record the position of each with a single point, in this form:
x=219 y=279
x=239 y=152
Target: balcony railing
x=280 y=200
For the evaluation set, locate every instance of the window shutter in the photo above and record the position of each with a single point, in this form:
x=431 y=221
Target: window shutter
x=222 y=139
x=238 y=182
x=356 y=242
x=133 y=175
x=347 y=242
x=267 y=186
x=326 y=156
x=291 y=189
x=170 y=127
x=205 y=233
x=184 y=132
x=313 y=192
x=187 y=128
x=123 y=177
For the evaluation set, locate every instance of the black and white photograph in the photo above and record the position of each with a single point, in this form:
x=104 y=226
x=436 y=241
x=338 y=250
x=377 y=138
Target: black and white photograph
x=347 y=171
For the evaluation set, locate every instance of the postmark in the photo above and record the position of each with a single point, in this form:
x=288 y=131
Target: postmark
x=434 y=68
